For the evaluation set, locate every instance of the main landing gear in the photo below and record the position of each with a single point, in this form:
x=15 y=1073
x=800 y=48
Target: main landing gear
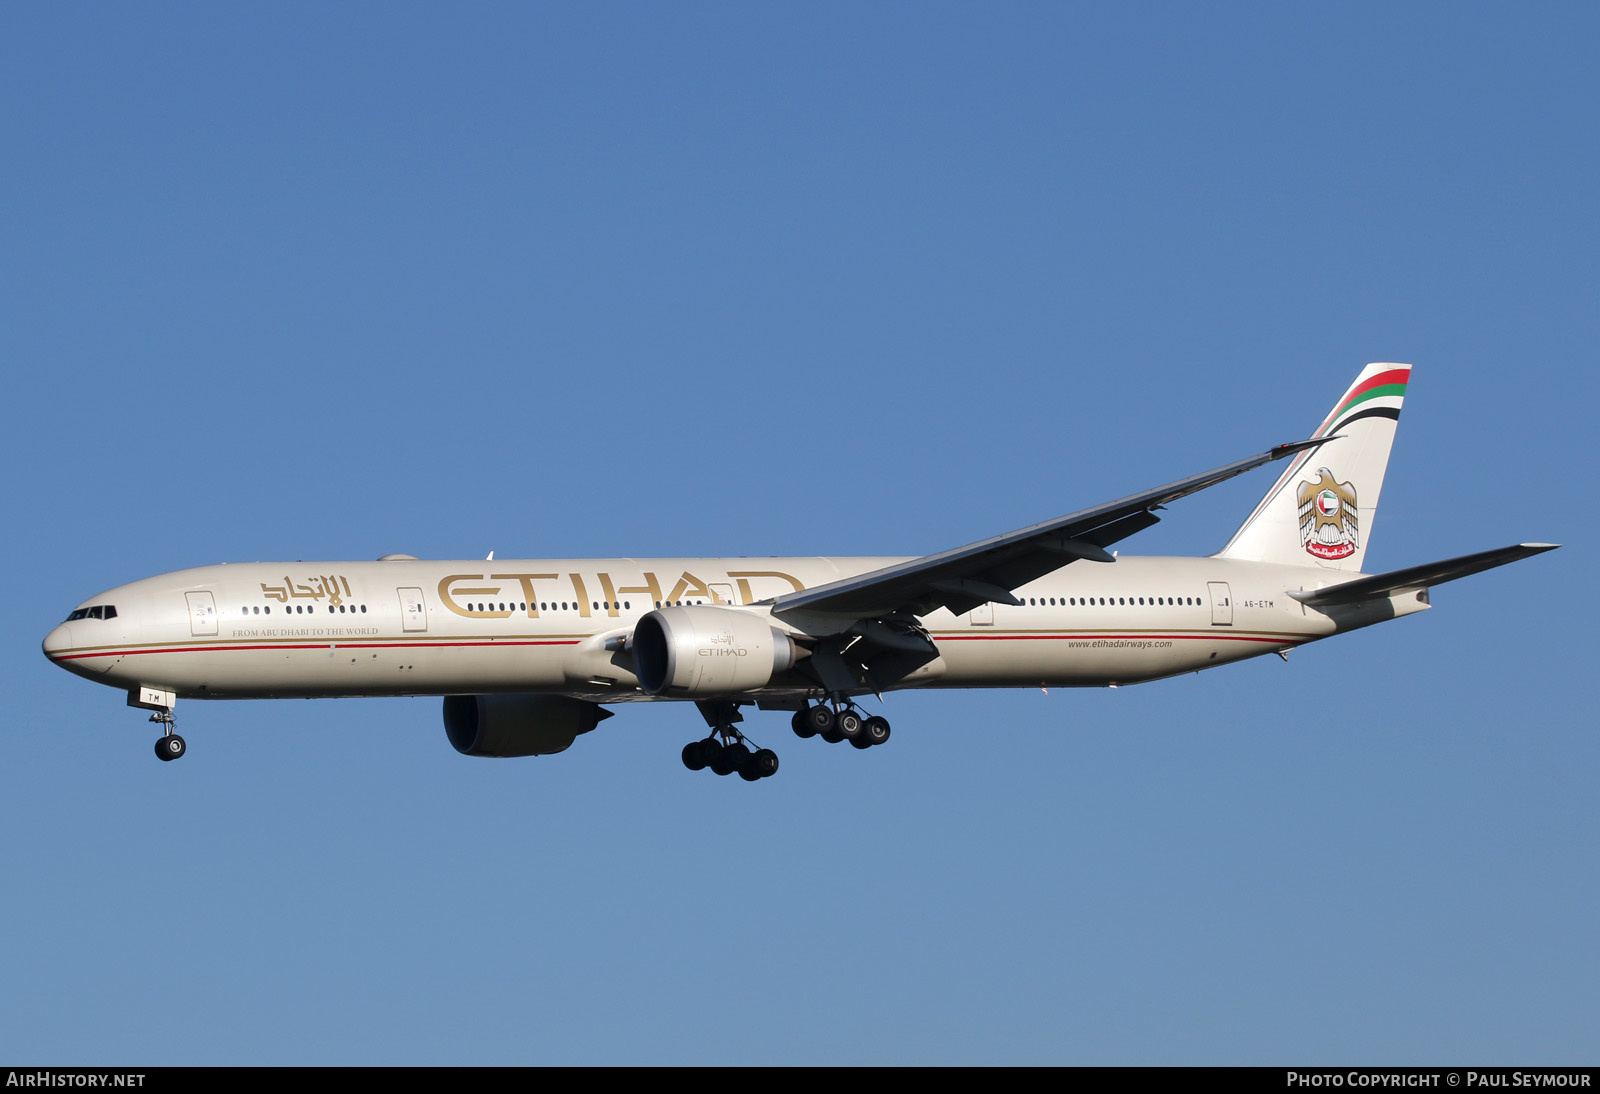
x=840 y=722
x=726 y=750
x=727 y=756
x=170 y=746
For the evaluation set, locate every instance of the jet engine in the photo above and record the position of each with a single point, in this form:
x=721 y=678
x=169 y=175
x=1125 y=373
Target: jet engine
x=517 y=725
x=702 y=651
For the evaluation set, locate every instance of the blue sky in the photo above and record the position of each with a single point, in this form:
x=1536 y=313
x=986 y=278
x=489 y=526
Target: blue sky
x=328 y=282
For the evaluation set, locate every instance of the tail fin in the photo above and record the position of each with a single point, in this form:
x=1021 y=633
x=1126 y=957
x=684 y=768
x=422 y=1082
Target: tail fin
x=1320 y=510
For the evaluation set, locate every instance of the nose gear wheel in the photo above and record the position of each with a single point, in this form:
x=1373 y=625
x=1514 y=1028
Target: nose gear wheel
x=170 y=746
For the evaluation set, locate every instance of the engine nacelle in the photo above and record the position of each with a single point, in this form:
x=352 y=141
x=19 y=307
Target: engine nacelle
x=702 y=651
x=517 y=725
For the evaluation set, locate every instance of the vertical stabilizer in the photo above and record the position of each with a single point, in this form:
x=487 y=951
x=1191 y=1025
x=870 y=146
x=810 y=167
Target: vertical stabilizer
x=1320 y=510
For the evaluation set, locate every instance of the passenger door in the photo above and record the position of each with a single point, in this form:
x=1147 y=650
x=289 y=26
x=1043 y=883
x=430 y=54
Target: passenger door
x=413 y=610
x=1221 y=604
x=202 y=613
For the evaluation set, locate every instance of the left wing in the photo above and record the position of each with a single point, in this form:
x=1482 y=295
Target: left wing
x=988 y=570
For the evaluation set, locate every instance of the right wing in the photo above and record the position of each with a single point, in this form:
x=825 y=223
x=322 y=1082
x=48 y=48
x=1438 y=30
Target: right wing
x=962 y=578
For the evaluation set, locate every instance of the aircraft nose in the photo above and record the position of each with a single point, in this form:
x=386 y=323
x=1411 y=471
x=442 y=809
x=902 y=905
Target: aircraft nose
x=57 y=641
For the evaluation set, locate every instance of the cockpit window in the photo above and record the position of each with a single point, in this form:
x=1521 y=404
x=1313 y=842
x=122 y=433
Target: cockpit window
x=99 y=611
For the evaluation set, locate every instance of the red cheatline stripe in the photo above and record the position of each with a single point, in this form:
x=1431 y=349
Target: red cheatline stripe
x=1094 y=637
x=573 y=642
x=311 y=646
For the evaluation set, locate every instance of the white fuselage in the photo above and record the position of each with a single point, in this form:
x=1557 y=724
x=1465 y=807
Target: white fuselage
x=410 y=627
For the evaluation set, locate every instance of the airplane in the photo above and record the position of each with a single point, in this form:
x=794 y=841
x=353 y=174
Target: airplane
x=524 y=653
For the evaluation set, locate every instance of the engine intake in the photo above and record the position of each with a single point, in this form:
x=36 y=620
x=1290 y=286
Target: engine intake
x=517 y=725
x=703 y=651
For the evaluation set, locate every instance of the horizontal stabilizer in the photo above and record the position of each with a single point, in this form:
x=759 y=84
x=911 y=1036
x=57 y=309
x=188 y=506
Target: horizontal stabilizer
x=1418 y=577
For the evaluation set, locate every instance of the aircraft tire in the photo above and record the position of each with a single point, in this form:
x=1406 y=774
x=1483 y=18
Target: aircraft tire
x=875 y=730
x=729 y=759
x=820 y=719
x=694 y=756
x=801 y=723
x=764 y=762
x=711 y=752
x=170 y=747
x=847 y=724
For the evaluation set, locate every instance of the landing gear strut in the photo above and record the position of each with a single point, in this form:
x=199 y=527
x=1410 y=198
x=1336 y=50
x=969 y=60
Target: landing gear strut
x=170 y=746
x=726 y=750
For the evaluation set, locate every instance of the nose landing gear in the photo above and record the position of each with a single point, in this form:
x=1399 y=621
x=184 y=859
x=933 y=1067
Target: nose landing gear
x=164 y=702
x=170 y=746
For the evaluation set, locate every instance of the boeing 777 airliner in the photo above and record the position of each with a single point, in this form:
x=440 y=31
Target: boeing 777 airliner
x=525 y=652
